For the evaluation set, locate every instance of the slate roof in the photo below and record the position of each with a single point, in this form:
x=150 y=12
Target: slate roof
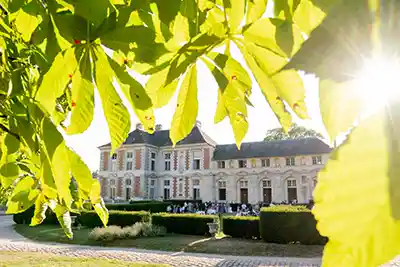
x=283 y=148
x=161 y=138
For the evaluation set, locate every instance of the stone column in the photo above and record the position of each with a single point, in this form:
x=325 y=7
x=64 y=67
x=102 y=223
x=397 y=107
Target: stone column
x=253 y=190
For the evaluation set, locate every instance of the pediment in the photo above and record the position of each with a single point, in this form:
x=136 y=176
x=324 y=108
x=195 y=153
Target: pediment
x=221 y=174
x=242 y=173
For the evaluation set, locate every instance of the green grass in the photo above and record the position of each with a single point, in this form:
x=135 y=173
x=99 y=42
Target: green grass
x=225 y=246
x=23 y=259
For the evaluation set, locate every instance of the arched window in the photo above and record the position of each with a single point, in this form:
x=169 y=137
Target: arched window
x=292 y=190
x=267 y=190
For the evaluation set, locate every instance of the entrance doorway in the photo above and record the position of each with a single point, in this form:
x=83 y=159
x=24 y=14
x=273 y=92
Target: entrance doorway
x=244 y=197
x=128 y=193
x=267 y=195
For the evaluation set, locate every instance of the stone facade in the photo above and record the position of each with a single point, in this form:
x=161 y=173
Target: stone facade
x=196 y=170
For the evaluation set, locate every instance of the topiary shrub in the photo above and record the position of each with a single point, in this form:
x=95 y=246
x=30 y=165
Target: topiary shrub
x=114 y=232
x=241 y=226
x=120 y=218
x=187 y=224
x=286 y=224
x=153 y=207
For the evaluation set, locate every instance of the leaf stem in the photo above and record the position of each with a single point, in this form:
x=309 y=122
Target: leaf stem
x=4 y=128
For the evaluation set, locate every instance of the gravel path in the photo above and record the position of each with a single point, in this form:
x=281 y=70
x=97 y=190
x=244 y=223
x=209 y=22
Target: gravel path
x=12 y=241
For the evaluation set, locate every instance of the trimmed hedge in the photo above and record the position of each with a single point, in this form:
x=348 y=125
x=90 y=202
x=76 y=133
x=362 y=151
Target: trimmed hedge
x=285 y=224
x=153 y=207
x=120 y=218
x=241 y=226
x=187 y=224
x=26 y=217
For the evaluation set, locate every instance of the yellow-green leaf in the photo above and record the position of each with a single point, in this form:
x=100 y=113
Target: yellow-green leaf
x=28 y=18
x=181 y=29
x=82 y=96
x=187 y=107
x=279 y=36
x=94 y=11
x=339 y=118
x=290 y=86
x=12 y=143
x=269 y=91
x=8 y=173
x=23 y=196
x=308 y=16
x=205 y=4
x=102 y=212
x=235 y=85
x=237 y=112
x=255 y=10
x=64 y=218
x=56 y=79
x=41 y=206
x=98 y=203
x=95 y=192
x=362 y=231
x=267 y=60
x=57 y=157
x=159 y=92
x=235 y=10
x=81 y=173
x=220 y=113
x=116 y=113
x=48 y=185
x=137 y=96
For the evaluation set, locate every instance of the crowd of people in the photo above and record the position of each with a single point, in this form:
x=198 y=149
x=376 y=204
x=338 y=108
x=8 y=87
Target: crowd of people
x=223 y=208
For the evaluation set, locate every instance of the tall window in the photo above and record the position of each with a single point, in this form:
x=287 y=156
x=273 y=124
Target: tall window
x=222 y=190
x=167 y=161
x=180 y=187
x=129 y=165
x=153 y=161
x=242 y=163
x=221 y=164
x=317 y=160
x=114 y=163
x=196 y=189
x=112 y=188
x=167 y=189
x=196 y=160
x=129 y=161
x=290 y=161
x=265 y=163
x=152 y=189
x=292 y=190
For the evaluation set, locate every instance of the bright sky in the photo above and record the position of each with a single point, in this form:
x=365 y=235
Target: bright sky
x=261 y=118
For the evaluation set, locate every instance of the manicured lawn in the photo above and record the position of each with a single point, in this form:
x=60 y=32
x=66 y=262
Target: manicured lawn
x=227 y=246
x=23 y=259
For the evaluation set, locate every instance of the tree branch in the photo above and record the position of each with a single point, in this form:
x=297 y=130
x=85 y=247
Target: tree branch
x=4 y=128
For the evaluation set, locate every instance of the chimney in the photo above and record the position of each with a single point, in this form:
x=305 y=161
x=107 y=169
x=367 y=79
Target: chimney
x=158 y=127
x=139 y=126
x=198 y=124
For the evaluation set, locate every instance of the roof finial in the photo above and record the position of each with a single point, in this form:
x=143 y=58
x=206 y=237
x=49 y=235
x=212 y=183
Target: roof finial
x=139 y=126
x=198 y=124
